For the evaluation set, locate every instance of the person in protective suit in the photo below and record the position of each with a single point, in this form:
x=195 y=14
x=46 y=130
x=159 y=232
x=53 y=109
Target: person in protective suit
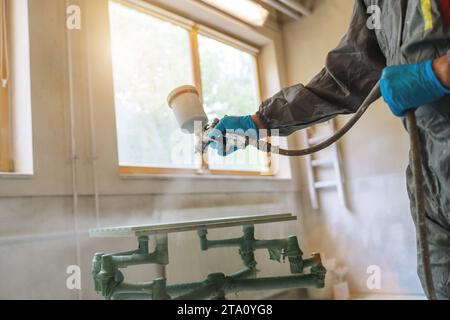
x=410 y=52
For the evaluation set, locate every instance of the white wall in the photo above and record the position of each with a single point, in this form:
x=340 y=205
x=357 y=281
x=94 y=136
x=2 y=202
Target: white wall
x=377 y=229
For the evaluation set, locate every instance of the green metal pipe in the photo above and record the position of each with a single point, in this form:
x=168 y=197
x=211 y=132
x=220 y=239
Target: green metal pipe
x=270 y=244
x=181 y=289
x=146 y=289
x=210 y=244
x=274 y=283
x=247 y=240
x=218 y=285
x=137 y=259
x=143 y=244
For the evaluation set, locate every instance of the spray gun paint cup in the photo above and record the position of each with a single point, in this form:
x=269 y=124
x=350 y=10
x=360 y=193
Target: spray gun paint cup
x=187 y=107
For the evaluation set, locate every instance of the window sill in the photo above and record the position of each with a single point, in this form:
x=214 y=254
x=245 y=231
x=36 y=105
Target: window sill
x=201 y=177
x=13 y=175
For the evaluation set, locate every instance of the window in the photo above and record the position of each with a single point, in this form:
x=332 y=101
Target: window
x=5 y=125
x=153 y=55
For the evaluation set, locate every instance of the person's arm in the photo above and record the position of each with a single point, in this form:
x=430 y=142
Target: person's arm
x=351 y=71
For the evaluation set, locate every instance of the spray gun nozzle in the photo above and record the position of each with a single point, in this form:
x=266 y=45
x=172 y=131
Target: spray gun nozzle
x=203 y=138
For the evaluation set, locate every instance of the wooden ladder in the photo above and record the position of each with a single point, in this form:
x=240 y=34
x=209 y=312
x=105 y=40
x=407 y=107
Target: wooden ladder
x=332 y=160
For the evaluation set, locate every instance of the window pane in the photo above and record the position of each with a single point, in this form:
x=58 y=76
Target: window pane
x=230 y=87
x=150 y=58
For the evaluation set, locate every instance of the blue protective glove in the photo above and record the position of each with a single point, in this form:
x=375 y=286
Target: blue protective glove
x=238 y=125
x=410 y=86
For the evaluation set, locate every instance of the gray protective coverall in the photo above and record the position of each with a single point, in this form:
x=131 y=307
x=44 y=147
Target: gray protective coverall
x=351 y=70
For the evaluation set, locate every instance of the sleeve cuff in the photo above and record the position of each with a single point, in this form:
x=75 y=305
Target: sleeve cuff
x=264 y=120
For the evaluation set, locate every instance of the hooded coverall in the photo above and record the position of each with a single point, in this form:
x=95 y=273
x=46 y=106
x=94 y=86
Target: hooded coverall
x=411 y=32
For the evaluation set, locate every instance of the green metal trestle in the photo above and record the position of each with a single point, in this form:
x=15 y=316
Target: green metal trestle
x=110 y=281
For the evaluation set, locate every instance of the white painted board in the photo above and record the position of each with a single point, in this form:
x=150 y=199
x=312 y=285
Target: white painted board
x=164 y=228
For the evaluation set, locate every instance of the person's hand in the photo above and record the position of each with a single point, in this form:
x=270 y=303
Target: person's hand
x=410 y=86
x=243 y=126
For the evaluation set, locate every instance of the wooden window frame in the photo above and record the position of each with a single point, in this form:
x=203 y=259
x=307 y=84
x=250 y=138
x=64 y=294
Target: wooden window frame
x=194 y=31
x=6 y=164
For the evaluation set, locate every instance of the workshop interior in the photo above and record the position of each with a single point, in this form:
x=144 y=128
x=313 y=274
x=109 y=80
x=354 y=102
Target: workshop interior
x=120 y=180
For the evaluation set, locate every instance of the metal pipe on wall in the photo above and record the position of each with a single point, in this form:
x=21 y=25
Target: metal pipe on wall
x=73 y=143
x=93 y=136
x=283 y=9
